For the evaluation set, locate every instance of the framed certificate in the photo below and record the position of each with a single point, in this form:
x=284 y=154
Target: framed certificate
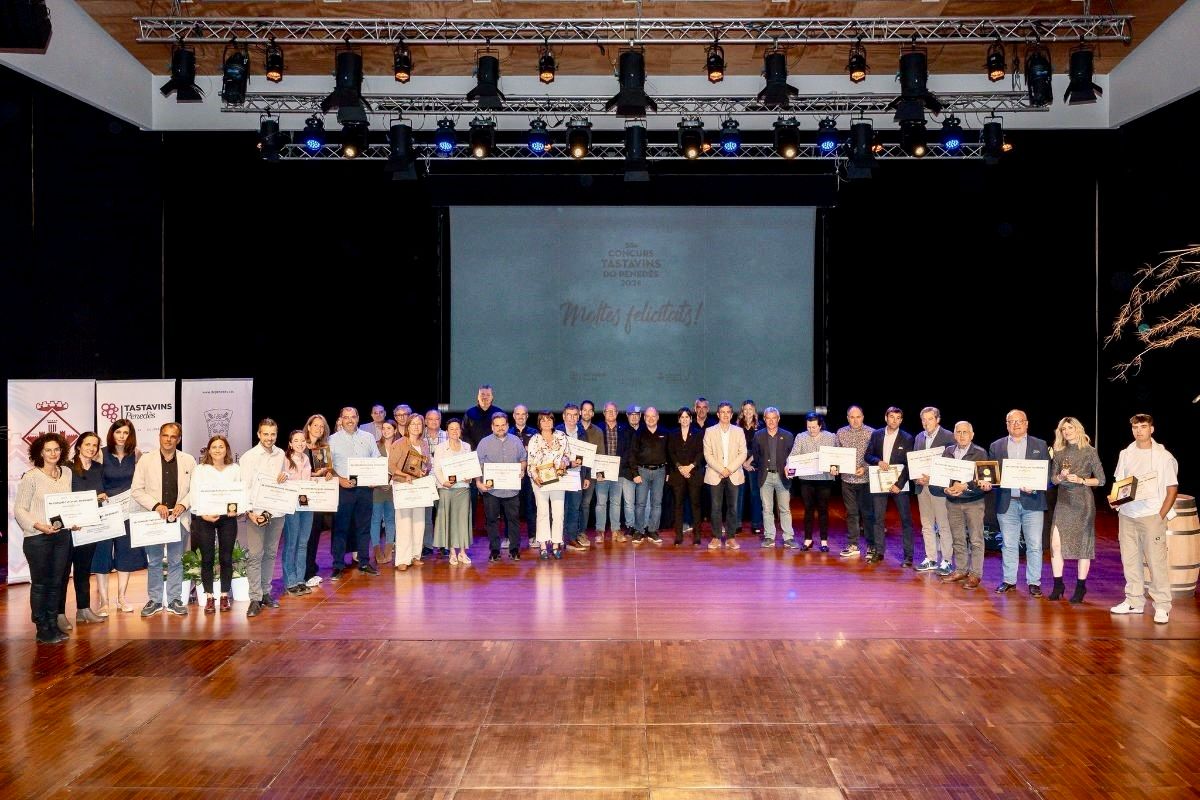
x=803 y=464
x=606 y=468
x=1025 y=473
x=502 y=476
x=882 y=480
x=989 y=471
x=111 y=526
x=415 y=463
x=316 y=495
x=461 y=467
x=1123 y=491
x=147 y=528
x=72 y=508
x=367 y=470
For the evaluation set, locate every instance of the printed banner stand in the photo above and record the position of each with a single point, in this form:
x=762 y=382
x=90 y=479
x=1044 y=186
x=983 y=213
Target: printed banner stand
x=211 y=407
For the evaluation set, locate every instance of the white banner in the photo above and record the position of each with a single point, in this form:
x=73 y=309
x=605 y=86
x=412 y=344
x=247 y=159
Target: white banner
x=209 y=407
x=147 y=404
x=34 y=408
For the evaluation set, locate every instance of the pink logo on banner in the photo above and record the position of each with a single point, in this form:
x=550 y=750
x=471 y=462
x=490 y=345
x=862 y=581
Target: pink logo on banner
x=52 y=421
x=110 y=411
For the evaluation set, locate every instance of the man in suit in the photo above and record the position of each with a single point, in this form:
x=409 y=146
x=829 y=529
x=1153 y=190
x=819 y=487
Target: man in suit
x=1021 y=509
x=935 y=525
x=964 y=507
x=162 y=482
x=573 y=520
x=770 y=448
x=724 y=454
x=616 y=439
x=888 y=447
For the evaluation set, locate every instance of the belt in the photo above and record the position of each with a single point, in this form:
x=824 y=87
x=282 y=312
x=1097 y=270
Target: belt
x=656 y=466
x=772 y=471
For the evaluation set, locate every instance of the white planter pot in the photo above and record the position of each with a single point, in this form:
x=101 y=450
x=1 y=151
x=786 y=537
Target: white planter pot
x=239 y=589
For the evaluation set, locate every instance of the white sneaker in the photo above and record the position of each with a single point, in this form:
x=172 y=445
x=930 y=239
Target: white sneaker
x=1124 y=607
x=687 y=529
x=1161 y=615
x=504 y=543
x=928 y=565
x=314 y=581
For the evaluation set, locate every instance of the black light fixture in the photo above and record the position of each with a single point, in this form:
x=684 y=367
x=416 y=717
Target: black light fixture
x=25 y=26
x=482 y=137
x=778 y=92
x=914 y=83
x=1039 y=76
x=856 y=65
x=731 y=137
x=1081 y=89
x=827 y=136
x=952 y=134
x=402 y=63
x=183 y=76
x=273 y=62
x=914 y=138
x=402 y=158
x=346 y=96
x=787 y=137
x=235 y=74
x=487 y=82
x=994 y=143
x=539 y=138
x=444 y=138
x=270 y=140
x=579 y=137
x=995 y=63
x=862 y=147
x=691 y=138
x=631 y=100
x=547 y=65
x=636 y=166
x=714 y=62
x=313 y=135
x=354 y=137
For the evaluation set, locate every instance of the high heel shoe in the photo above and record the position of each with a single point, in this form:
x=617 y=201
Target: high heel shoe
x=1080 y=591
x=88 y=616
x=1058 y=591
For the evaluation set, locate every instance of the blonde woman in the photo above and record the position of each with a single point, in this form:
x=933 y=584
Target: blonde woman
x=1076 y=470
x=316 y=432
x=410 y=522
x=453 y=527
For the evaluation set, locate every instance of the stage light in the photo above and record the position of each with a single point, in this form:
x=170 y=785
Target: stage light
x=547 y=66
x=1039 y=76
x=778 y=92
x=631 y=100
x=539 y=139
x=636 y=166
x=787 y=137
x=856 y=66
x=731 y=137
x=914 y=80
x=579 y=137
x=183 y=76
x=235 y=75
x=913 y=138
x=714 y=63
x=402 y=160
x=347 y=88
x=402 y=63
x=1081 y=90
x=995 y=64
x=313 y=135
x=25 y=26
x=952 y=134
x=444 y=138
x=269 y=138
x=487 y=83
x=860 y=161
x=994 y=143
x=273 y=63
x=354 y=138
x=691 y=138
x=827 y=136
x=482 y=137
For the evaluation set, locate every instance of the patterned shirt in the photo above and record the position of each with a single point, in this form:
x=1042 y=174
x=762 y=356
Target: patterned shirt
x=542 y=453
x=858 y=439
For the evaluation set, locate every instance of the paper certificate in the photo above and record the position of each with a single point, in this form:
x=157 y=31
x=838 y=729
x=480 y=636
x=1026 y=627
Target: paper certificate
x=920 y=462
x=421 y=493
x=803 y=464
x=882 y=480
x=463 y=466
x=367 y=470
x=147 y=528
x=68 y=509
x=606 y=468
x=316 y=495
x=571 y=482
x=844 y=458
x=272 y=496
x=112 y=525
x=502 y=476
x=227 y=498
x=1024 y=473
x=583 y=454
x=946 y=470
x=124 y=500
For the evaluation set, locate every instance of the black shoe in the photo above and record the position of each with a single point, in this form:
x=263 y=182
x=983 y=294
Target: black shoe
x=367 y=569
x=824 y=548
x=1059 y=589
x=151 y=608
x=758 y=531
x=1035 y=591
x=805 y=546
x=494 y=558
x=637 y=536
x=654 y=537
x=558 y=553
x=255 y=609
x=177 y=608
x=874 y=558
x=426 y=551
x=1080 y=591
x=1005 y=587
x=269 y=602
x=907 y=564
x=514 y=555
x=544 y=554
x=337 y=574
x=294 y=591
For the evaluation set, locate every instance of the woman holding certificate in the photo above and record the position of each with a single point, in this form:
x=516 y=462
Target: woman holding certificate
x=1075 y=470
x=316 y=429
x=296 y=526
x=549 y=456
x=47 y=545
x=382 y=511
x=86 y=475
x=119 y=458
x=215 y=470
x=408 y=460
x=453 y=528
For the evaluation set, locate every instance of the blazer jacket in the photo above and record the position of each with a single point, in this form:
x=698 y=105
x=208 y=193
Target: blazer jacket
x=1036 y=450
x=875 y=454
x=973 y=492
x=712 y=455
x=758 y=449
x=943 y=440
x=147 y=482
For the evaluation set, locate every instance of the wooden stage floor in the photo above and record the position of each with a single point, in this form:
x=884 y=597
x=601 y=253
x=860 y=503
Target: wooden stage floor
x=655 y=672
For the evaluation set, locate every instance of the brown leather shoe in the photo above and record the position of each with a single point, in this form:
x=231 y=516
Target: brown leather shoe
x=972 y=582
x=210 y=605
x=225 y=602
x=955 y=577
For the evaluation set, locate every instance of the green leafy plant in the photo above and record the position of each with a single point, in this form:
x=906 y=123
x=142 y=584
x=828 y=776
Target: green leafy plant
x=239 y=560
x=191 y=565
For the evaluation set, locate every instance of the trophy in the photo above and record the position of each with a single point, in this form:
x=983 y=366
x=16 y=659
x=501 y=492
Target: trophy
x=547 y=473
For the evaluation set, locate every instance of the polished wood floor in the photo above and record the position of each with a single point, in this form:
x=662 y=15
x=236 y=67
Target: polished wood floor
x=623 y=673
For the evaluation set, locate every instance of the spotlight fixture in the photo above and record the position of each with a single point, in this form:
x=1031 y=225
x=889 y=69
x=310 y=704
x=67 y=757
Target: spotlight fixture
x=313 y=135
x=402 y=160
x=354 y=138
x=235 y=75
x=579 y=137
x=952 y=134
x=1081 y=89
x=827 y=136
x=691 y=138
x=539 y=139
x=1039 y=76
x=636 y=166
x=346 y=96
x=856 y=66
x=269 y=138
x=402 y=63
x=487 y=83
x=183 y=76
x=631 y=100
x=995 y=63
x=787 y=137
x=482 y=137
x=444 y=138
x=547 y=66
x=731 y=137
x=913 y=137
x=273 y=63
x=778 y=92
x=914 y=80
x=860 y=161
x=994 y=144
x=714 y=63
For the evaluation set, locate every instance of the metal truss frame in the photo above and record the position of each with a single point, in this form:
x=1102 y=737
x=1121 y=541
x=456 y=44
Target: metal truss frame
x=616 y=152
x=780 y=31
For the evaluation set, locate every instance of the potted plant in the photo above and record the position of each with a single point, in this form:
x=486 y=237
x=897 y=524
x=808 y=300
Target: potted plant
x=191 y=573
x=239 y=585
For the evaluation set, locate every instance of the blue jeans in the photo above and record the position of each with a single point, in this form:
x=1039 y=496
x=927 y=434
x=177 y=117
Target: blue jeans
x=629 y=501
x=572 y=515
x=1012 y=522
x=154 y=576
x=384 y=513
x=608 y=505
x=296 y=528
x=648 y=498
x=751 y=488
x=776 y=495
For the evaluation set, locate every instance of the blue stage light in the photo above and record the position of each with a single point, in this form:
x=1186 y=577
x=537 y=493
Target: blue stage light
x=539 y=139
x=445 y=137
x=731 y=137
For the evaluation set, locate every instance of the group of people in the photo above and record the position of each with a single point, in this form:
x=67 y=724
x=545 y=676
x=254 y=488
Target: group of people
x=717 y=463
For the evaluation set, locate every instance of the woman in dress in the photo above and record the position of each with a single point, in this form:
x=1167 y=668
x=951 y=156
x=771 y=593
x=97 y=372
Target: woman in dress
x=47 y=546
x=316 y=430
x=382 y=511
x=1076 y=470
x=749 y=492
x=685 y=448
x=296 y=526
x=118 y=459
x=86 y=475
x=453 y=527
x=548 y=449
x=410 y=522
x=215 y=534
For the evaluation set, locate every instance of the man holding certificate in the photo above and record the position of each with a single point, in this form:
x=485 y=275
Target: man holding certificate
x=266 y=463
x=856 y=493
x=353 y=516
x=162 y=482
x=506 y=451
x=964 y=507
x=1021 y=509
x=935 y=522
x=573 y=517
x=887 y=450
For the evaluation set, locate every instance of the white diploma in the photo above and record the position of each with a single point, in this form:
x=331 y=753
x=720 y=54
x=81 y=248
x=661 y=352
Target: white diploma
x=112 y=525
x=125 y=501
x=946 y=470
x=420 y=493
x=1024 y=473
x=571 y=482
x=73 y=508
x=804 y=464
x=606 y=468
x=273 y=496
x=844 y=458
x=882 y=480
x=920 y=462
x=582 y=450
x=147 y=528
x=209 y=500
x=368 y=470
x=502 y=476
x=316 y=495
x=463 y=466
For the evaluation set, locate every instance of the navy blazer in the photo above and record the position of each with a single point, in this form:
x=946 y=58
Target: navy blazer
x=624 y=443
x=874 y=454
x=973 y=492
x=584 y=472
x=758 y=449
x=1036 y=450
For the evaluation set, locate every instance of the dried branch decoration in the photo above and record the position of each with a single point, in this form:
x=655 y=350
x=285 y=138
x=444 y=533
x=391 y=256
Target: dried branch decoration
x=1155 y=284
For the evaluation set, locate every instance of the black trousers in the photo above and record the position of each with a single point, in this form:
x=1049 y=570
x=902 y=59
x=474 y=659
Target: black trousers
x=81 y=560
x=815 y=495
x=860 y=511
x=685 y=489
x=222 y=534
x=724 y=509
x=49 y=556
x=511 y=507
x=321 y=521
x=352 y=526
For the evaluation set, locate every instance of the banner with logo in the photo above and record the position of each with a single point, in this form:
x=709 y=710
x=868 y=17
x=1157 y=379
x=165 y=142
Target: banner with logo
x=34 y=408
x=147 y=404
x=209 y=407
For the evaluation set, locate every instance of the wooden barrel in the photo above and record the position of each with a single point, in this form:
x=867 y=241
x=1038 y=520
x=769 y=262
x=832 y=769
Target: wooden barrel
x=1183 y=547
